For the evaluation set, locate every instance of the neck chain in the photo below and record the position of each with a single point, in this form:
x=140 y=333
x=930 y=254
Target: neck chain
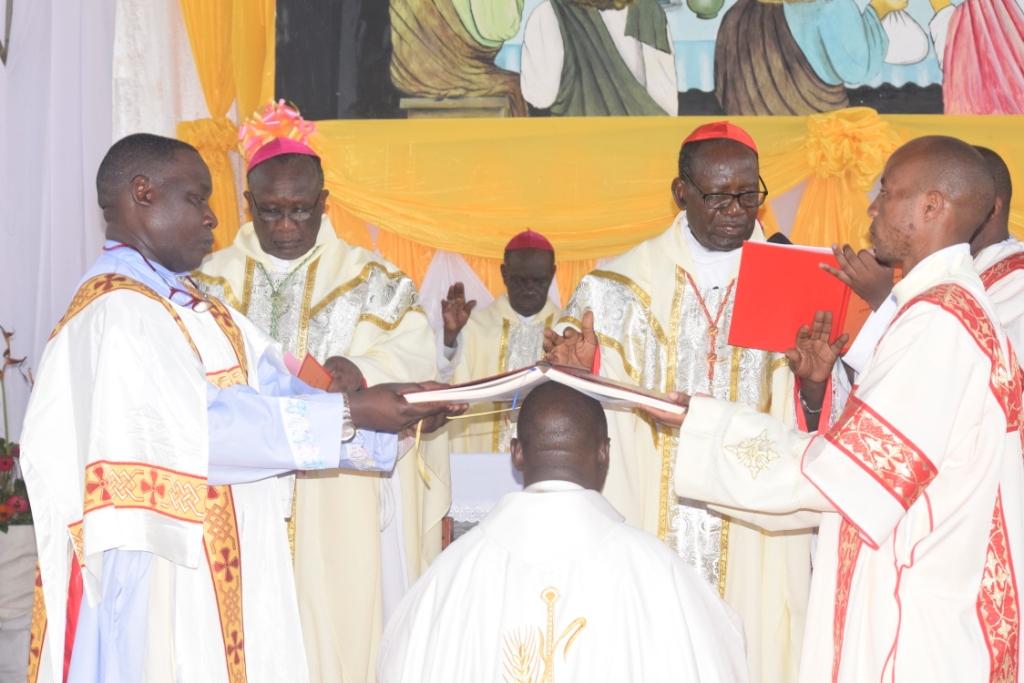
x=276 y=292
x=712 y=323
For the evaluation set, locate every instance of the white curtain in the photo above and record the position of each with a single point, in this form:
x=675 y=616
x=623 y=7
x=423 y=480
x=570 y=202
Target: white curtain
x=54 y=129
x=55 y=114
x=154 y=74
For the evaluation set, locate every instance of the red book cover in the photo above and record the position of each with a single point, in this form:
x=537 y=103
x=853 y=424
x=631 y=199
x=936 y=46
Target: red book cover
x=780 y=287
x=314 y=374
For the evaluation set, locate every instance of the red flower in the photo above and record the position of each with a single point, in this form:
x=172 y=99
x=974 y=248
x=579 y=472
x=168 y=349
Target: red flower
x=6 y=463
x=5 y=513
x=17 y=504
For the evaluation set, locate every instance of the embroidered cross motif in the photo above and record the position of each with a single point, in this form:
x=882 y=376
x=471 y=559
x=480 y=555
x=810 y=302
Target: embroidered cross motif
x=755 y=454
x=530 y=653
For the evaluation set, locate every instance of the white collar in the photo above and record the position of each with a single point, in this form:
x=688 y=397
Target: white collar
x=922 y=275
x=702 y=254
x=552 y=486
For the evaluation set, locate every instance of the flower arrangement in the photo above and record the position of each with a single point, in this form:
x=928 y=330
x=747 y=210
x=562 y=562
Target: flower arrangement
x=14 y=507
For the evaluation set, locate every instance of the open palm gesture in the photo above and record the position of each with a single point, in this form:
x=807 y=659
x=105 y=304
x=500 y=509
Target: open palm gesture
x=813 y=356
x=576 y=349
x=455 y=312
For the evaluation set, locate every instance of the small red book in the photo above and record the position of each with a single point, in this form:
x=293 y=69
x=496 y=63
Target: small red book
x=314 y=374
x=780 y=287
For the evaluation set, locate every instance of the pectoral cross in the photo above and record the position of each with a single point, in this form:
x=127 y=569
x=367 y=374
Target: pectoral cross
x=712 y=324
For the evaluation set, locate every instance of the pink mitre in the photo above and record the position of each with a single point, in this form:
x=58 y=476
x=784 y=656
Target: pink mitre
x=276 y=129
x=528 y=239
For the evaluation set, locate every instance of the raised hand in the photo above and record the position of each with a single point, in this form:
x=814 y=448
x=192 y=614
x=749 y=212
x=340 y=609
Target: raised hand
x=455 y=312
x=861 y=271
x=382 y=408
x=576 y=349
x=345 y=375
x=813 y=356
x=670 y=419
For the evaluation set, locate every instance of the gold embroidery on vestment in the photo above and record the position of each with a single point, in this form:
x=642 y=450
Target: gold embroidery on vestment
x=524 y=654
x=755 y=453
x=304 y=310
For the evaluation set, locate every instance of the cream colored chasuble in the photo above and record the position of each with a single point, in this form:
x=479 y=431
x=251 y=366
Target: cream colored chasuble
x=345 y=301
x=663 y=319
x=495 y=340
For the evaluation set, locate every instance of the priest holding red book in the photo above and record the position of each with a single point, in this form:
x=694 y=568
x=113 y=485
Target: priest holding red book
x=659 y=316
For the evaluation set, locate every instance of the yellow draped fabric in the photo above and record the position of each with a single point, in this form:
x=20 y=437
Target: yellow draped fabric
x=597 y=186
x=233 y=48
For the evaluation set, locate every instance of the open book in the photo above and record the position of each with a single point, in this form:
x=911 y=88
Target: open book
x=513 y=387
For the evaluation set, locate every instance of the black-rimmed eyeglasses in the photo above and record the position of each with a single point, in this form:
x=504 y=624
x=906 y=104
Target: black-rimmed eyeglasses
x=718 y=201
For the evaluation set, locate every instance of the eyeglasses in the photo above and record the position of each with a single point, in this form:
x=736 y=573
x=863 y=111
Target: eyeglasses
x=192 y=298
x=299 y=214
x=718 y=201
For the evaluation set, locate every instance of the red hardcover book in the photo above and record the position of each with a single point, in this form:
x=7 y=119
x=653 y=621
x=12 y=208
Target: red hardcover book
x=780 y=287
x=314 y=374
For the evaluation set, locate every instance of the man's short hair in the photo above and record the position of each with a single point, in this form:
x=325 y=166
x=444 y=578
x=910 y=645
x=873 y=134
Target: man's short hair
x=130 y=156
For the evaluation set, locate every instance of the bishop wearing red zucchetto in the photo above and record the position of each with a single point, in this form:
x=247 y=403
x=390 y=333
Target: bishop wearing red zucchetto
x=659 y=316
x=507 y=335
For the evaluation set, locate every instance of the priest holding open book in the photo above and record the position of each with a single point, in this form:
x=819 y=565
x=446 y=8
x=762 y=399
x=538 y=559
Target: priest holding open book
x=659 y=316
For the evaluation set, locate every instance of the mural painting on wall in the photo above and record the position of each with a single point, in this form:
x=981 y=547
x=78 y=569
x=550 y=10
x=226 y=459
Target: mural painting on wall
x=672 y=57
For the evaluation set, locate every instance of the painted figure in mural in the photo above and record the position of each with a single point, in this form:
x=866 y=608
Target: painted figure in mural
x=505 y=336
x=599 y=58
x=659 y=316
x=795 y=57
x=552 y=581
x=980 y=45
x=357 y=539
x=446 y=48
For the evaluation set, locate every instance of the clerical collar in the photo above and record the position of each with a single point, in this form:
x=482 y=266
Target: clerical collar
x=998 y=246
x=713 y=268
x=922 y=274
x=552 y=486
x=179 y=288
x=280 y=265
x=526 y=319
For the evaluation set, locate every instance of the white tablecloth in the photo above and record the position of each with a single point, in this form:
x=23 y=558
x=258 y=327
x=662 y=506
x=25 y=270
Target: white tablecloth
x=478 y=481
x=17 y=580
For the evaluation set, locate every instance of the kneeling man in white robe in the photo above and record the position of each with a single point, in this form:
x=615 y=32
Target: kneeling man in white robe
x=553 y=585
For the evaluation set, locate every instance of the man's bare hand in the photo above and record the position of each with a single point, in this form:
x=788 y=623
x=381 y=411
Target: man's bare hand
x=670 y=419
x=444 y=410
x=813 y=356
x=455 y=312
x=345 y=375
x=861 y=271
x=576 y=349
x=382 y=408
